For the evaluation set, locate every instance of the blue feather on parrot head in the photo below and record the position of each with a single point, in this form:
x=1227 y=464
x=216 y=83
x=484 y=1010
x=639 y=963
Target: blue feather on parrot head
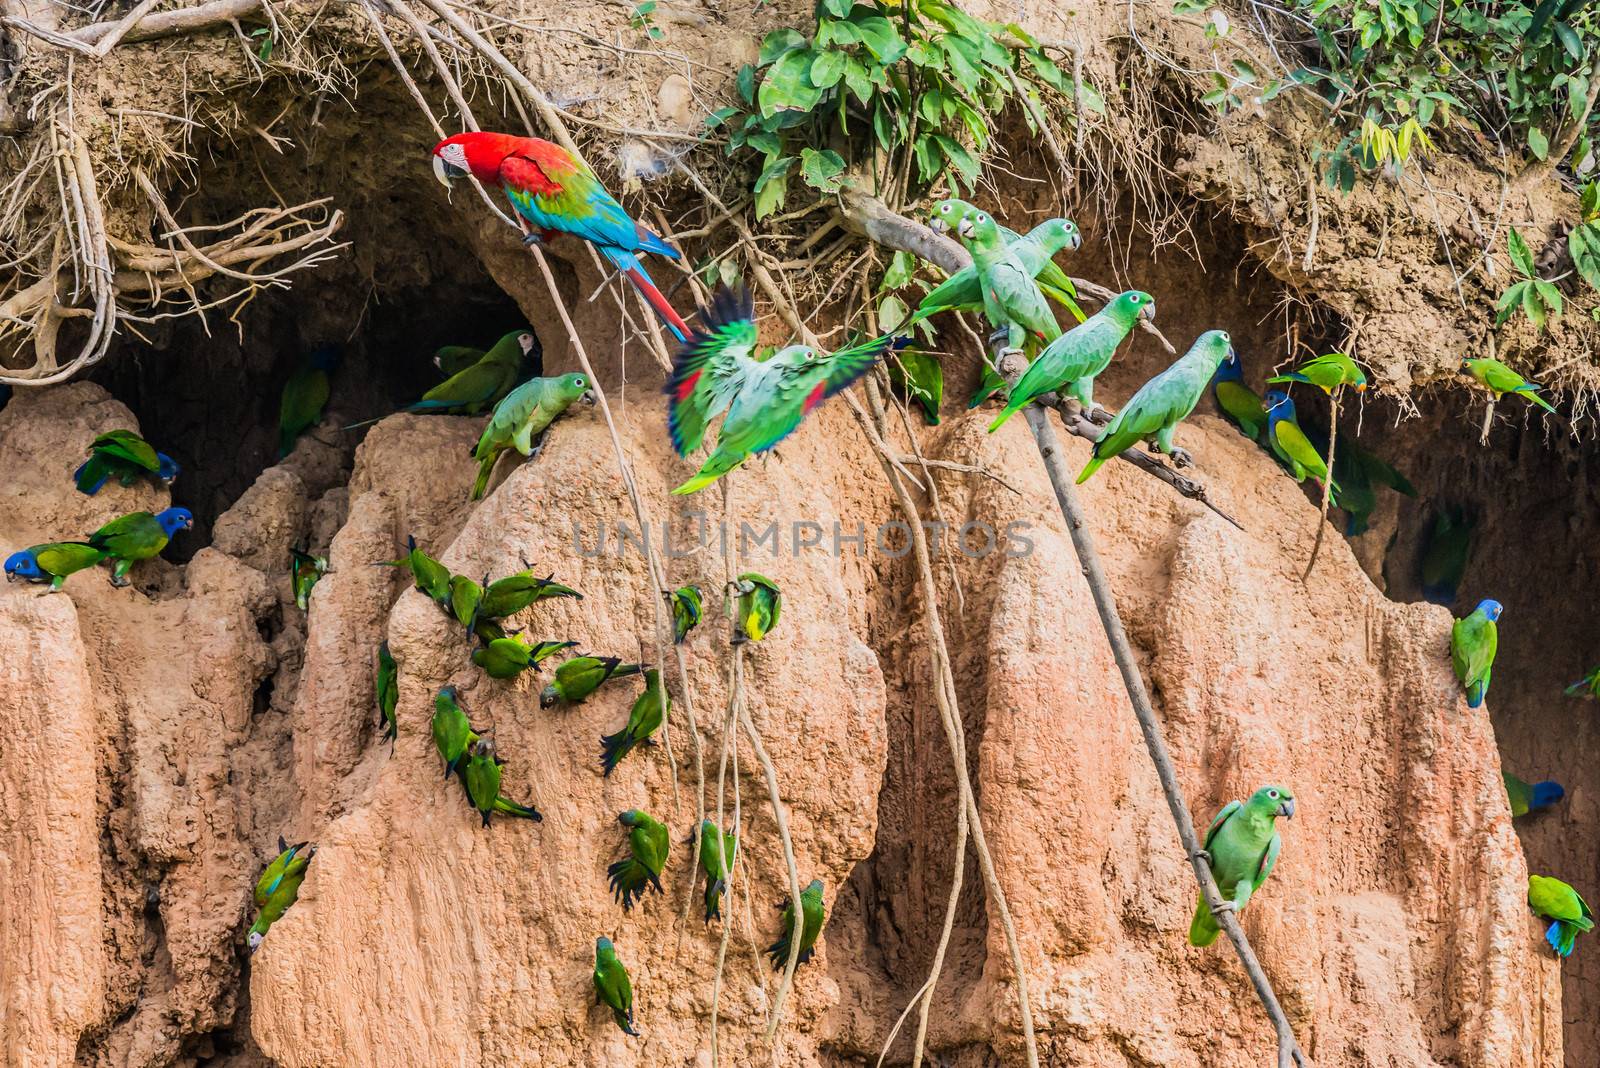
x=1229 y=370
x=629 y=818
x=1546 y=793
x=1279 y=406
x=168 y=470
x=602 y=944
x=23 y=565
x=1490 y=608
x=174 y=520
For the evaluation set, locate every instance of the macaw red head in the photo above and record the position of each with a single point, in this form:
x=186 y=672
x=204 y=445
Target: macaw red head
x=477 y=153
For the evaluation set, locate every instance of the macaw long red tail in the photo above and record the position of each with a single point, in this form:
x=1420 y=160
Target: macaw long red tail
x=648 y=290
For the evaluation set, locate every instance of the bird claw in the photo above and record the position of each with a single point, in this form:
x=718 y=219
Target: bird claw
x=1181 y=458
x=1224 y=906
x=531 y=238
x=1201 y=854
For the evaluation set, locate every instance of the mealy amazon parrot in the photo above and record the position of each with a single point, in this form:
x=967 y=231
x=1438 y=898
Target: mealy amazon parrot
x=688 y=605
x=716 y=860
x=1526 y=797
x=138 y=536
x=1243 y=845
x=453 y=359
x=1035 y=251
x=510 y=595
x=1290 y=443
x=812 y=911
x=1554 y=900
x=304 y=394
x=1327 y=373
x=126 y=457
x=552 y=191
x=1588 y=686
x=717 y=370
x=1012 y=301
x=52 y=562
x=525 y=414
x=304 y=571
x=1163 y=402
x=278 y=888
x=1072 y=360
x=388 y=693
x=482 y=776
x=611 y=985
x=1473 y=640
x=1240 y=404
x=452 y=734
x=921 y=377
x=430 y=576
x=1500 y=380
x=649 y=711
x=648 y=843
x=581 y=676
x=508 y=657
x=757 y=604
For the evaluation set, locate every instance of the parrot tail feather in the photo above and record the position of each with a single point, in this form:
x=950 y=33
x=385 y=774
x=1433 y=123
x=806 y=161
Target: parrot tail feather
x=1089 y=468
x=1007 y=414
x=628 y=264
x=716 y=465
x=1203 y=930
x=1476 y=694
x=485 y=469
x=613 y=747
x=512 y=808
x=1561 y=937
x=90 y=476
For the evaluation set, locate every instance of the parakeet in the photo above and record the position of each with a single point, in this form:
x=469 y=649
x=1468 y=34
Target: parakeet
x=765 y=400
x=611 y=985
x=716 y=860
x=1238 y=402
x=1554 y=900
x=466 y=595
x=1035 y=251
x=524 y=414
x=813 y=916
x=452 y=734
x=431 y=577
x=281 y=885
x=484 y=384
x=1357 y=473
x=388 y=692
x=550 y=190
x=1526 y=797
x=482 y=776
x=757 y=604
x=510 y=595
x=648 y=843
x=1327 y=373
x=1473 y=640
x=1243 y=844
x=650 y=710
x=1444 y=558
x=1290 y=443
x=581 y=676
x=52 y=562
x=505 y=658
x=1500 y=380
x=1163 y=402
x=1588 y=686
x=1073 y=360
x=124 y=456
x=921 y=377
x=138 y=536
x=304 y=571
x=688 y=606
x=453 y=359
x=304 y=394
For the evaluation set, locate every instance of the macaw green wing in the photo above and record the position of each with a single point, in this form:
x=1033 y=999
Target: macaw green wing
x=1015 y=295
x=1055 y=284
x=1222 y=817
x=801 y=387
x=127 y=445
x=709 y=370
x=453 y=359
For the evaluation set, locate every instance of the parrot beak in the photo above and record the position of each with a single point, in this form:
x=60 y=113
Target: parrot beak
x=938 y=225
x=446 y=173
x=1077 y=240
x=1286 y=809
x=1361 y=387
x=965 y=229
x=1148 y=312
x=1233 y=357
x=587 y=396
x=11 y=576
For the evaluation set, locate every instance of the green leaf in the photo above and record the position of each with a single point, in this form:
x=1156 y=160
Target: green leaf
x=1584 y=244
x=822 y=170
x=827 y=69
x=836 y=33
x=858 y=80
x=838 y=8
x=1190 y=7
x=1532 y=306
x=958 y=155
x=787 y=85
x=765 y=142
x=892 y=311
x=1569 y=40
x=1093 y=102
x=929 y=159
x=1549 y=295
x=1244 y=72
x=775 y=44
x=881 y=38
x=1047 y=70
x=963 y=64
x=1589 y=201
x=883 y=127
x=746 y=83
x=1538 y=143
x=720 y=116
x=1521 y=258
x=1509 y=302
x=772 y=186
x=902 y=265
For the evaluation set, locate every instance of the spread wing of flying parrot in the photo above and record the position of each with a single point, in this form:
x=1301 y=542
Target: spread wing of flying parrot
x=1588 y=686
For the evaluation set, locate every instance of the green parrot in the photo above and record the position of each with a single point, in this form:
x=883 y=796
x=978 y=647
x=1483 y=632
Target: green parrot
x=1327 y=373
x=505 y=658
x=278 y=888
x=1357 y=472
x=524 y=414
x=1500 y=380
x=812 y=911
x=126 y=457
x=304 y=571
x=1554 y=900
x=1242 y=845
x=648 y=843
x=716 y=860
x=921 y=377
x=1473 y=640
x=484 y=383
x=649 y=712
x=717 y=370
x=611 y=985
x=52 y=562
x=1237 y=401
x=1588 y=686
x=466 y=596
x=756 y=607
x=1290 y=444
x=510 y=595
x=482 y=776
x=304 y=394
x=452 y=734
x=1163 y=402
x=1526 y=797
x=388 y=691
x=138 y=536
x=688 y=605
x=431 y=577
x=1012 y=301
x=1035 y=251
x=1073 y=360
x=451 y=360
x=581 y=676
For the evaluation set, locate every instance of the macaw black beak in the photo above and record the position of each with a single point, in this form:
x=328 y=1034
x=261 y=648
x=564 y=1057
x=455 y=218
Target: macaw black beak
x=1286 y=809
x=446 y=171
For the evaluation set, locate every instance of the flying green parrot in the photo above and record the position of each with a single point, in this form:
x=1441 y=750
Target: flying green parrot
x=1473 y=640
x=649 y=712
x=1588 y=686
x=688 y=605
x=1554 y=900
x=648 y=843
x=756 y=607
x=52 y=562
x=304 y=394
x=716 y=860
x=304 y=571
x=1444 y=558
x=1035 y=251
x=1238 y=402
x=452 y=734
x=278 y=888
x=466 y=595
x=388 y=691
x=1243 y=845
x=1291 y=445
x=1357 y=473
x=525 y=414
x=921 y=377
x=812 y=911
x=1500 y=380
x=1327 y=373
x=126 y=457
x=431 y=577
x=766 y=399
x=581 y=676
x=510 y=595
x=611 y=985
x=1526 y=797
x=453 y=359
x=138 y=536
x=505 y=658
x=1163 y=402
x=1073 y=360
x=482 y=776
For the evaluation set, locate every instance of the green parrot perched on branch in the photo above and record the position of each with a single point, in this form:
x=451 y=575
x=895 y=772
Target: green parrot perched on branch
x=388 y=693
x=716 y=860
x=138 y=536
x=1569 y=914
x=1073 y=360
x=765 y=399
x=525 y=414
x=1328 y=373
x=279 y=887
x=813 y=916
x=756 y=606
x=1242 y=845
x=581 y=676
x=1162 y=403
x=1499 y=380
x=648 y=844
x=482 y=776
x=611 y=985
x=649 y=713
x=1036 y=251
x=52 y=562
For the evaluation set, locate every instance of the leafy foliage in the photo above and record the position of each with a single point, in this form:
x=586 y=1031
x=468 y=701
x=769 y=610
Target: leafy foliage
x=1537 y=298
